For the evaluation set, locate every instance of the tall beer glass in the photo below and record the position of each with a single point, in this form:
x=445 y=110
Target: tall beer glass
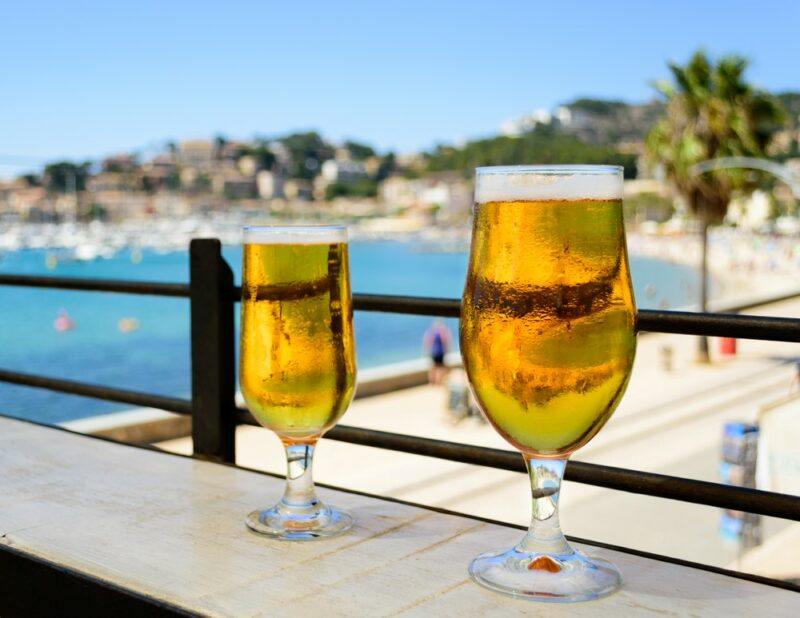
x=297 y=362
x=547 y=335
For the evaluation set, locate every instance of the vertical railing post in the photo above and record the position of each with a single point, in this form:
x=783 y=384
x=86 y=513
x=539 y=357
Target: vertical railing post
x=213 y=374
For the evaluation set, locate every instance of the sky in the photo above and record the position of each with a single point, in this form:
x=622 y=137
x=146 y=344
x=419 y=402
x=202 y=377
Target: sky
x=85 y=79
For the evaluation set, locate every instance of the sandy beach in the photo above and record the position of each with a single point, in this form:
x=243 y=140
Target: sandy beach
x=742 y=265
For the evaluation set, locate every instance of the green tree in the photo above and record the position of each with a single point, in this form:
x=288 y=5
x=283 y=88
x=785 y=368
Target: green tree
x=387 y=166
x=542 y=145
x=712 y=112
x=363 y=187
x=359 y=151
x=220 y=141
x=307 y=151
x=173 y=181
x=263 y=155
x=66 y=176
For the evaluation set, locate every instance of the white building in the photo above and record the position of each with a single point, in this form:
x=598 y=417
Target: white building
x=525 y=124
x=753 y=211
x=197 y=153
x=269 y=184
x=450 y=194
x=342 y=171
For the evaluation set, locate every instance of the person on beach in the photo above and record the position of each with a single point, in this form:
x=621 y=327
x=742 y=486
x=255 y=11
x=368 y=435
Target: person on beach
x=437 y=343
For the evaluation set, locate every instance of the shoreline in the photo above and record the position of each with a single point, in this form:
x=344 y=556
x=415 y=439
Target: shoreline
x=744 y=265
x=741 y=263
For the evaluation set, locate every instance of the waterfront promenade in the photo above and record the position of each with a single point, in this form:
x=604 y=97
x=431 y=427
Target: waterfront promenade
x=669 y=422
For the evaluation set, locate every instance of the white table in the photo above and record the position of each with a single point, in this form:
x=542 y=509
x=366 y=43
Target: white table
x=171 y=528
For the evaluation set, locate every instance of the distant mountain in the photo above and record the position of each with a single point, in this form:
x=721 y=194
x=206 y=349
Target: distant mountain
x=604 y=122
x=543 y=144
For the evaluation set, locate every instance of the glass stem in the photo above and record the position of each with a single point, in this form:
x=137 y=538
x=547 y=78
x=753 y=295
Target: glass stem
x=299 y=492
x=544 y=535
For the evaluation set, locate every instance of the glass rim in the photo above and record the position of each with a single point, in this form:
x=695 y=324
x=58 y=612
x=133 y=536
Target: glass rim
x=294 y=229
x=551 y=170
x=294 y=234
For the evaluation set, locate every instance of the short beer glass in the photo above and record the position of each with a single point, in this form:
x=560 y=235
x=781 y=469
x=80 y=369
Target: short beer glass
x=297 y=361
x=547 y=336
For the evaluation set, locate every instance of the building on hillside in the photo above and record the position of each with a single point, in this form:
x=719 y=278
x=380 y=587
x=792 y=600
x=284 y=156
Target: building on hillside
x=282 y=154
x=120 y=163
x=248 y=165
x=449 y=194
x=198 y=153
x=153 y=177
x=119 y=204
x=166 y=161
x=372 y=165
x=340 y=171
x=343 y=171
x=298 y=189
x=188 y=176
x=230 y=152
x=109 y=181
x=753 y=211
x=233 y=185
x=561 y=115
x=410 y=161
x=526 y=123
x=573 y=120
x=398 y=192
x=19 y=198
x=269 y=184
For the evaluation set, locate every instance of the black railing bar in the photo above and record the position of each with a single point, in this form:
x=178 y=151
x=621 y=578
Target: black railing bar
x=171 y=404
x=120 y=286
x=414 y=305
x=678 y=322
x=648 y=320
x=621 y=479
x=719 y=325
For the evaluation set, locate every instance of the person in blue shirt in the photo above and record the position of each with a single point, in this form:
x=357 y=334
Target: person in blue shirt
x=437 y=343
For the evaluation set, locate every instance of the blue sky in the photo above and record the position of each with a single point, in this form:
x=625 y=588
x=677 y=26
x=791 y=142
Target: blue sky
x=83 y=79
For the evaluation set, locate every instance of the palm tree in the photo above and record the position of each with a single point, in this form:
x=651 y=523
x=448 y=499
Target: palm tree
x=711 y=112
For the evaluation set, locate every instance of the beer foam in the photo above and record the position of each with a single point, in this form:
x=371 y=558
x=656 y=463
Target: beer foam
x=545 y=182
x=295 y=235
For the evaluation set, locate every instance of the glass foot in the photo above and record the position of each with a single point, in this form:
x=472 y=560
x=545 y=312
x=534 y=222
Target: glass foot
x=546 y=577
x=285 y=524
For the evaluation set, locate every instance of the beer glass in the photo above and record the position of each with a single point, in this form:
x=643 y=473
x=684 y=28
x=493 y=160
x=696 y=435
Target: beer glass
x=297 y=360
x=547 y=336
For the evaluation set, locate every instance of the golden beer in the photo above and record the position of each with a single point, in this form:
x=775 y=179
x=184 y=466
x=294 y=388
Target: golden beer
x=547 y=331
x=297 y=364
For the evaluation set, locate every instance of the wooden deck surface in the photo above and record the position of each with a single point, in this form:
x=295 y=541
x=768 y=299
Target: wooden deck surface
x=172 y=528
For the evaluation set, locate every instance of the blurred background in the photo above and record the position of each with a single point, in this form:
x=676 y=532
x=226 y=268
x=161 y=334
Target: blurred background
x=126 y=130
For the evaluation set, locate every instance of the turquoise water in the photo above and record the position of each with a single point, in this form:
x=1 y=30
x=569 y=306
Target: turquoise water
x=155 y=358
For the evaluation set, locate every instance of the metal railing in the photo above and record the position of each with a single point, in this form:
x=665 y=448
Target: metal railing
x=212 y=296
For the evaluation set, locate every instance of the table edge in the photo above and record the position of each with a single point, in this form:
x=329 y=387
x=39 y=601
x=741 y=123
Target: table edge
x=758 y=579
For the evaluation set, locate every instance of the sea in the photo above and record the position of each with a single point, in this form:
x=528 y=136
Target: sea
x=155 y=356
